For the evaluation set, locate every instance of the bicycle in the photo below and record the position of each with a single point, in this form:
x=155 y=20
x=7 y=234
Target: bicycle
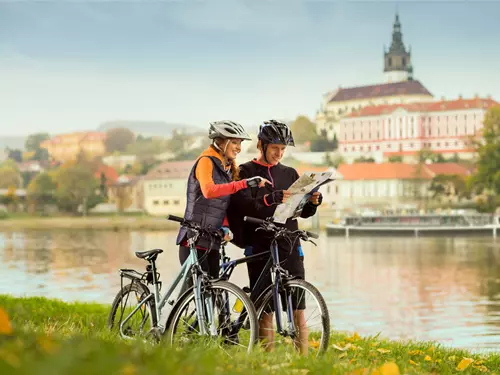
x=284 y=288
x=207 y=295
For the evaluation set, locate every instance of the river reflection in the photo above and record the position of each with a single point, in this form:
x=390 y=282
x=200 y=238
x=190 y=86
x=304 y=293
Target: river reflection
x=444 y=289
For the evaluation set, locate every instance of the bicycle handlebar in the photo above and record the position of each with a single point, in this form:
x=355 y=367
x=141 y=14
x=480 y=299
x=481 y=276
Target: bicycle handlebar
x=273 y=227
x=254 y=220
x=313 y=235
x=194 y=226
x=175 y=218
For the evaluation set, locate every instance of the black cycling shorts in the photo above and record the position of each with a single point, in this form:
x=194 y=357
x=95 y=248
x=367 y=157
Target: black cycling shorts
x=292 y=262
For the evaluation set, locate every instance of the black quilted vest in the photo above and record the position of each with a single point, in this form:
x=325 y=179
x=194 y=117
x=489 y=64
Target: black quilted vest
x=206 y=212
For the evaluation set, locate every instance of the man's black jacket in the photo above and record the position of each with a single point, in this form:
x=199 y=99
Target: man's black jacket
x=250 y=202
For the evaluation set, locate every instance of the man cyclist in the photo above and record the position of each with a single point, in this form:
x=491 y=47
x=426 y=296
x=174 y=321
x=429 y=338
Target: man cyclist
x=273 y=139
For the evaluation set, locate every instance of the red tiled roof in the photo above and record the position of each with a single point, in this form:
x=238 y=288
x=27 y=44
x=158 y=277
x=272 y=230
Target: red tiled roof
x=382 y=171
x=448 y=169
x=440 y=106
x=171 y=169
x=381 y=90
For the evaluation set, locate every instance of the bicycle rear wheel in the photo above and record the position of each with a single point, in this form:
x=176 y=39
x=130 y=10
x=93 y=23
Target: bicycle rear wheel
x=313 y=323
x=235 y=319
x=127 y=299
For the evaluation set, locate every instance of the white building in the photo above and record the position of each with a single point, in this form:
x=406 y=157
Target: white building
x=388 y=185
x=119 y=161
x=444 y=127
x=165 y=188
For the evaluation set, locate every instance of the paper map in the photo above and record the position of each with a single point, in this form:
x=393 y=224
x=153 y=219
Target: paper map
x=301 y=190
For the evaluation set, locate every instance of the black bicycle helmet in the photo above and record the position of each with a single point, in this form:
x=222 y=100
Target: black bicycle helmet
x=276 y=132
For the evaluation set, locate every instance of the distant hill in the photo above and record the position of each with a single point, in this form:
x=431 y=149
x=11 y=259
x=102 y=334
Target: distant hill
x=149 y=128
x=12 y=142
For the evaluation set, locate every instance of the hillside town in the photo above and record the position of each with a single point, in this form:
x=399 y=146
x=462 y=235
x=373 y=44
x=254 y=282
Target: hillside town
x=394 y=145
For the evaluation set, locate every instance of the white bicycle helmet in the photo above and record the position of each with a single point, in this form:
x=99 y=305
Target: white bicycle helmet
x=227 y=129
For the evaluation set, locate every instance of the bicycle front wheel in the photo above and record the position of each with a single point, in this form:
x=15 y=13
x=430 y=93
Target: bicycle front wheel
x=309 y=314
x=229 y=319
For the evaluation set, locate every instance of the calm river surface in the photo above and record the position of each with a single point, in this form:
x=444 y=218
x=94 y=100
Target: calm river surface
x=443 y=289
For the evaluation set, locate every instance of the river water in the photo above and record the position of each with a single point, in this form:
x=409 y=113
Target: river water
x=442 y=289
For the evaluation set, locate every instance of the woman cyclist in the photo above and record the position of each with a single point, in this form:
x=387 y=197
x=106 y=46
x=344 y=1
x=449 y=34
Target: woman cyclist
x=211 y=182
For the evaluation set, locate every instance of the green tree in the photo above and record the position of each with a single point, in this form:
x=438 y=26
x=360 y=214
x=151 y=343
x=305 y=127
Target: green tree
x=328 y=159
x=449 y=186
x=333 y=161
x=395 y=159
x=488 y=173
x=76 y=185
x=32 y=144
x=15 y=154
x=122 y=194
x=363 y=159
x=322 y=143
x=10 y=198
x=425 y=154
x=27 y=177
x=439 y=158
x=335 y=142
x=118 y=139
x=9 y=175
x=190 y=154
x=178 y=142
x=303 y=130
x=147 y=148
x=41 y=191
x=455 y=158
x=33 y=141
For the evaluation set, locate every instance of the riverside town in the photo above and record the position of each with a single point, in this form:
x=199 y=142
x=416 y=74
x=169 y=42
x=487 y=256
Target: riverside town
x=226 y=188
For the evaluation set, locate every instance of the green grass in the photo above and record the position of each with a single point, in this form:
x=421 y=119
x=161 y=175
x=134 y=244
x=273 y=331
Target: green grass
x=53 y=337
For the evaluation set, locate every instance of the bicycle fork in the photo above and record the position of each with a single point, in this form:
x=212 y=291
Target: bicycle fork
x=203 y=305
x=276 y=282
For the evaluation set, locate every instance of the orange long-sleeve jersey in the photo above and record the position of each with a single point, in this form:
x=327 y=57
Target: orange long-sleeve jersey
x=209 y=189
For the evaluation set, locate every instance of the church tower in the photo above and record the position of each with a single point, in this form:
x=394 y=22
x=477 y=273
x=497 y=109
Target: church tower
x=397 y=61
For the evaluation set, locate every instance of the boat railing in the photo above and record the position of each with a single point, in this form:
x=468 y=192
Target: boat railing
x=421 y=220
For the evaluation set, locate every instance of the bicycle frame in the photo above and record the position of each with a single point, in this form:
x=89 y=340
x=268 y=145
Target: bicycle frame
x=181 y=278
x=278 y=274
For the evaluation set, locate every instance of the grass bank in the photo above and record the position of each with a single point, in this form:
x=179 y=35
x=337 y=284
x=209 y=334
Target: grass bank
x=41 y=336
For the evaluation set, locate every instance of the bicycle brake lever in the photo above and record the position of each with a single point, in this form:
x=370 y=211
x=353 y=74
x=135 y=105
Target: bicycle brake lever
x=314 y=243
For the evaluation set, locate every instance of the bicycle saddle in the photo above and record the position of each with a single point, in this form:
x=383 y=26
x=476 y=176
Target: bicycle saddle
x=148 y=254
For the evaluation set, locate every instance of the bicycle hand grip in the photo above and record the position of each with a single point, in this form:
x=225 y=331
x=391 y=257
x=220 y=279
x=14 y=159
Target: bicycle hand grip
x=175 y=218
x=312 y=235
x=253 y=220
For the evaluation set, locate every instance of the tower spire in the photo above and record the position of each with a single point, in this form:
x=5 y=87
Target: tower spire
x=397 y=59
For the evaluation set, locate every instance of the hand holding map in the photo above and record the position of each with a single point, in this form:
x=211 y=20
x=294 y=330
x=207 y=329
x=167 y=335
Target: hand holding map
x=300 y=192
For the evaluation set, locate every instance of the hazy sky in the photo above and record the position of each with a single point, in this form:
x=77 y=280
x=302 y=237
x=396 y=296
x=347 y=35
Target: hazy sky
x=71 y=65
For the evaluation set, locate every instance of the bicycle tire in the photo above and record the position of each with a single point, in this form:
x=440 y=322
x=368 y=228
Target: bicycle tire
x=251 y=317
x=137 y=287
x=267 y=296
